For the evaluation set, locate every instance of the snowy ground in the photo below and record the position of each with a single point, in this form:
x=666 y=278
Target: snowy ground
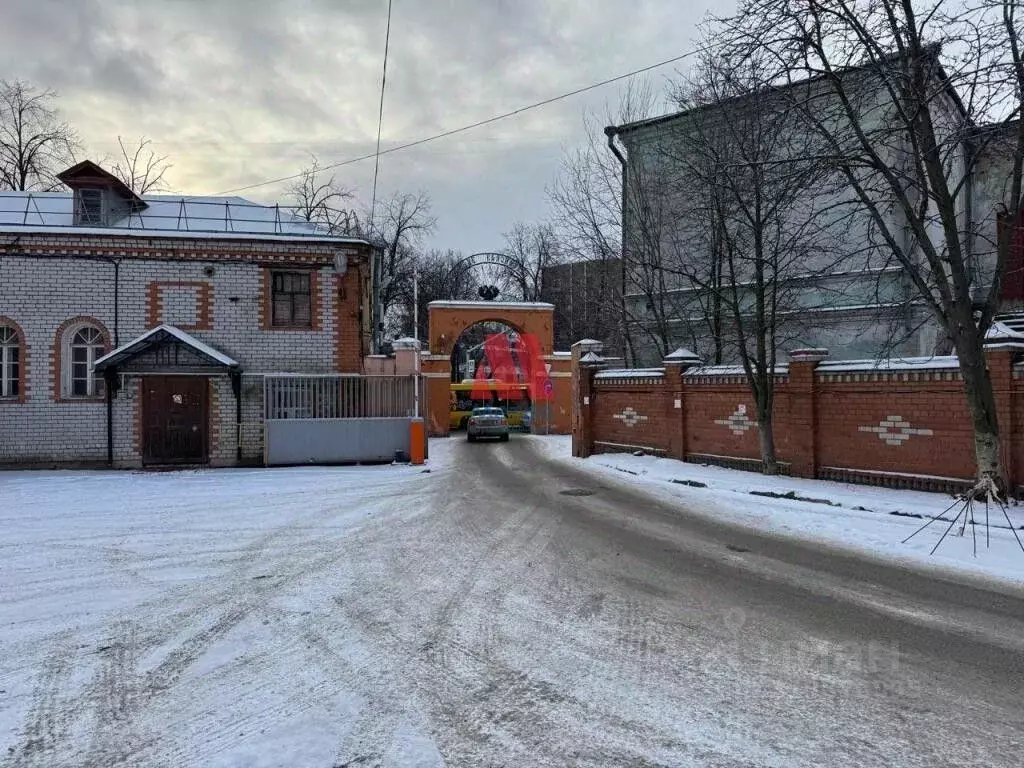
x=130 y=599
x=865 y=518
x=484 y=613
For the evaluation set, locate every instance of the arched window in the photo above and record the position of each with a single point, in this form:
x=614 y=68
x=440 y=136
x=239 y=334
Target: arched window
x=10 y=361
x=85 y=345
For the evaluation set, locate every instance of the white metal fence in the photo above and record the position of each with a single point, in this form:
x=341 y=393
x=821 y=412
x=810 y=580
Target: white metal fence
x=338 y=396
x=336 y=418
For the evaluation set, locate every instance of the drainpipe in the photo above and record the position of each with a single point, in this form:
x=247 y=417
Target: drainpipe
x=117 y=300
x=110 y=381
x=236 y=387
x=611 y=131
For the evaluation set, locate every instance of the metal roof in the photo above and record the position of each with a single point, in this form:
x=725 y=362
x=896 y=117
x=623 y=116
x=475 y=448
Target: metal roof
x=160 y=335
x=163 y=216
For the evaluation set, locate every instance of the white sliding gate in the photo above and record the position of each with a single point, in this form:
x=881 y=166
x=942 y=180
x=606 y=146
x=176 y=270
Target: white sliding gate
x=336 y=418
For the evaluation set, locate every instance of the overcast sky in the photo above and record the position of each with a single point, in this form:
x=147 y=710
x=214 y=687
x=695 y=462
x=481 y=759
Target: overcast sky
x=239 y=91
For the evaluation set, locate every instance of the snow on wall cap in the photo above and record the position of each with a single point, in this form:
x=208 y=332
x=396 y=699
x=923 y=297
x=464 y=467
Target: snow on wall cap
x=936 y=363
x=808 y=355
x=631 y=373
x=683 y=356
x=731 y=370
x=591 y=358
x=405 y=343
x=489 y=304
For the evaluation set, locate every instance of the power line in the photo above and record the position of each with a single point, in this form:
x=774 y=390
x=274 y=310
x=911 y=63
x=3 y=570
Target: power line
x=380 y=119
x=471 y=126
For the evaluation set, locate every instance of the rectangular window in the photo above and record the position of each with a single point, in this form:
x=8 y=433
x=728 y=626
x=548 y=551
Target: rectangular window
x=291 y=300
x=89 y=207
x=84 y=384
x=9 y=374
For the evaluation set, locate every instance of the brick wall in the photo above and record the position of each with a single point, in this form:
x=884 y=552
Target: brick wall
x=894 y=423
x=630 y=414
x=217 y=285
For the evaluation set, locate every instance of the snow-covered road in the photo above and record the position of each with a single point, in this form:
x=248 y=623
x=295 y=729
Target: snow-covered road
x=502 y=609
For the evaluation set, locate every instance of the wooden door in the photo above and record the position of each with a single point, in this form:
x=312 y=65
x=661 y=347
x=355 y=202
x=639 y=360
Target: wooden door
x=174 y=417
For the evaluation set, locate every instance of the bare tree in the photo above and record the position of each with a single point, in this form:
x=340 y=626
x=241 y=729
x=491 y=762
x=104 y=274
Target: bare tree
x=587 y=198
x=529 y=249
x=140 y=167
x=402 y=222
x=896 y=90
x=439 y=278
x=321 y=200
x=754 y=219
x=35 y=144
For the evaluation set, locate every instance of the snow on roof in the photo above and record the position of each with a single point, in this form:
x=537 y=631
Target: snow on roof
x=164 y=216
x=681 y=353
x=1001 y=336
x=1000 y=330
x=630 y=373
x=126 y=350
x=939 y=362
x=487 y=304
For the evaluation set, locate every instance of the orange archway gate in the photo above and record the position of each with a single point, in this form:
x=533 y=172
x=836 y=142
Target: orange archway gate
x=446 y=322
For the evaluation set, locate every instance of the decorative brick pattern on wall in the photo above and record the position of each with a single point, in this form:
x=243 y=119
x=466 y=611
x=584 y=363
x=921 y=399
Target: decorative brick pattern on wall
x=23 y=362
x=266 y=310
x=855 y=430
x=630 y=416
x=57 y=356
x=710 y=410
x=909 y=428
x=187 y=305
x=348 y=356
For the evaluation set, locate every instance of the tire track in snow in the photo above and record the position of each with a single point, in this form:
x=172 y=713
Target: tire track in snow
x=49 y=719
x=118 y=693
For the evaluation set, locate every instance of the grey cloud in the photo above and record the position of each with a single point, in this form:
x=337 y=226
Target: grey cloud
x=241 y=90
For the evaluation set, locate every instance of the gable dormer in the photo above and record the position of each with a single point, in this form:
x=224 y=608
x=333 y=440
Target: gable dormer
x=100 y=198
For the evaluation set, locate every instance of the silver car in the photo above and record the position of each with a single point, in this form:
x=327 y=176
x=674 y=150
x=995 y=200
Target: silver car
x=487 y=422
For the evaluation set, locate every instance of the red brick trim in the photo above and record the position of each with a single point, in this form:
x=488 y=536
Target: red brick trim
x=265 y=285
x=204 y=303
x=23 y=362
x=266 y=310
x=282 y=252
x=153 y=304
x=213 y=417
x=140 y=391
x=348 y=354
x=57 y=350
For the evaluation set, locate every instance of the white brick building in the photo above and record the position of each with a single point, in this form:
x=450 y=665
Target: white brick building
x=243 y=290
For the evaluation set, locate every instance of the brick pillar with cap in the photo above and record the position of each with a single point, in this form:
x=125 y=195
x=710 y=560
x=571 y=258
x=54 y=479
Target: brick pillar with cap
x=1003 y=346
x=586 y=359
x=803 y=461
x=676 y=365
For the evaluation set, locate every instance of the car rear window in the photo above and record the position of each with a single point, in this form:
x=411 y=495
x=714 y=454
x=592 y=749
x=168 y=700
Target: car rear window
x=488 y=412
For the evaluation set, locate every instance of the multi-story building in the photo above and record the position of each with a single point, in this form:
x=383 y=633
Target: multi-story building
x=836 y=282
x=138 y=330
x=587 y=297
